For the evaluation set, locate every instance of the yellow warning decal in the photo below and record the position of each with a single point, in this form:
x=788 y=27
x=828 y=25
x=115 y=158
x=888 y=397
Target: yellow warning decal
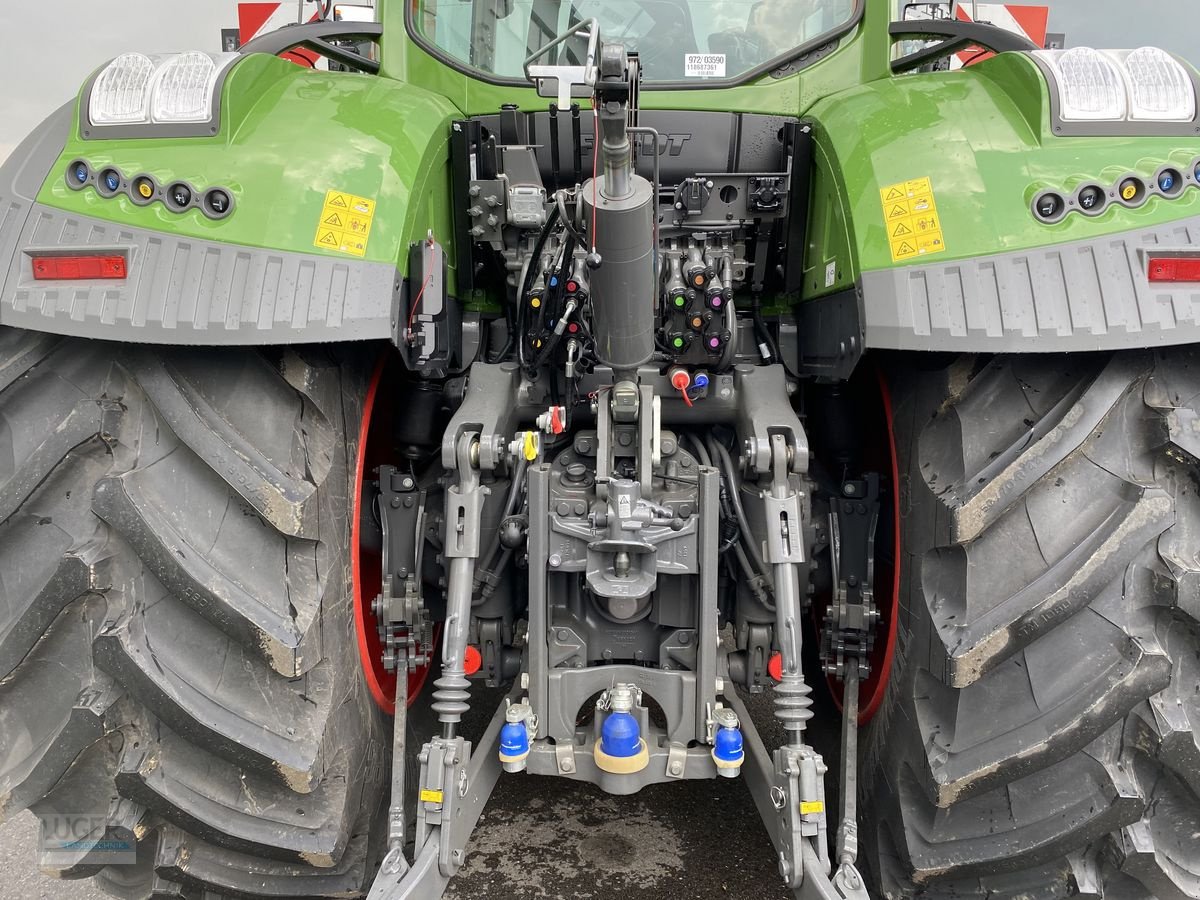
x=345 y=223
x=428 y=796
x=811 y=807
x=914 y=228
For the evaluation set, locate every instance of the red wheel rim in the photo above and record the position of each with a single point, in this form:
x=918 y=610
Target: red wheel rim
x=887 y=582
x=367 y=561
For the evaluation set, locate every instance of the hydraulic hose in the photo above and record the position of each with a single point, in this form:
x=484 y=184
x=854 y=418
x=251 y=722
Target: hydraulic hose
x=719 y=452
x=527 y=282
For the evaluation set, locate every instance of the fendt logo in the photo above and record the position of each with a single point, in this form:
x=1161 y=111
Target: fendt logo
x=668 y=144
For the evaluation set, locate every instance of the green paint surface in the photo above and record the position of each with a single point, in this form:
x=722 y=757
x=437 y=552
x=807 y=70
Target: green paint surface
x=288 y=135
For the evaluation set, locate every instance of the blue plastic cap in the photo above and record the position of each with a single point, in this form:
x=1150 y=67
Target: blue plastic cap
x=1166 y=181
x=514 y=739
x=620 y=735
x=81 y=174
x=700 y=381
x=112 y=182
x=727 y=745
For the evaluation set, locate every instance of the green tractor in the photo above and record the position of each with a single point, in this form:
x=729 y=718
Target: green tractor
x=530 y=389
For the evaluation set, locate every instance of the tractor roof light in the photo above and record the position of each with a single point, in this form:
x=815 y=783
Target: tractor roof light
x=1147 y=85
x=121 y=94
x=1090 y=86
x=1160 y=89
x=166 y=89
x=184 y=87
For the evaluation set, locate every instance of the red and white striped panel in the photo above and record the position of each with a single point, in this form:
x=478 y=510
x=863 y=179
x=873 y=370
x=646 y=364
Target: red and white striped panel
x=255 y=19
x=1031 y=21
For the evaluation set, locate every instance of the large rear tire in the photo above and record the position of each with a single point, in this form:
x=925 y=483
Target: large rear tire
x=1039 y=735
x=177 y=645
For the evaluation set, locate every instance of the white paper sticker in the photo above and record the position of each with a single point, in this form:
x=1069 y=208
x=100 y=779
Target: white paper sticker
x=704 y=65
x=831 y=274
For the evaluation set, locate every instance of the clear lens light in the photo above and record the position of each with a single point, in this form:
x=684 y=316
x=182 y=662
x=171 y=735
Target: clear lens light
x=1159 y=87
x=184 y=86
x=1090 y=86
x=121 y=94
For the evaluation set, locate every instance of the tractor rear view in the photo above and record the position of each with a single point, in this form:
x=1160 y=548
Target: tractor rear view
x=629 y=360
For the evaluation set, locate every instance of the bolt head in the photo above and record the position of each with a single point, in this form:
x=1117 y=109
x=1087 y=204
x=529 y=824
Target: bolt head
x=568 y=765
x=676 y=769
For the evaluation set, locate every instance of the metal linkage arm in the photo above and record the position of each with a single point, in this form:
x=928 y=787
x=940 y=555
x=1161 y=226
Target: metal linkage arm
x=784 y=552
x=790 y=818
x=446 y=815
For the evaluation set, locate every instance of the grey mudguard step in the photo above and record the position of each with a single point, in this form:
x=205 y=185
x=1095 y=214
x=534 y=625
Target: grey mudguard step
x=1087 y=295
x=187 y=291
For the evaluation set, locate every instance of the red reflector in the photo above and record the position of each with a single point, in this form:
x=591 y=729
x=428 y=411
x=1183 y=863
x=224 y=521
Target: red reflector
x=78 y=268
x=1174 y=269
x=472 y=660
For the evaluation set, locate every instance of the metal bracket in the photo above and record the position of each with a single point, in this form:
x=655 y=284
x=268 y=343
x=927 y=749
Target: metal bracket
x=442 y=830
x=799 y=782
x=565 y=82
x=848 y=635
x=676 y=760
x=564 y=754
x=404 y=627
x=808 y=862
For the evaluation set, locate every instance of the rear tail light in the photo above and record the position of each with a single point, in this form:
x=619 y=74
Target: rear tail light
x=79 y=268
x=1174 y=270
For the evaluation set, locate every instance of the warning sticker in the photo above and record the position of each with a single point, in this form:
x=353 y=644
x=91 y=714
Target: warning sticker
x=431 y=796
x=704 y=65
x=914 y=227
x=345 y=223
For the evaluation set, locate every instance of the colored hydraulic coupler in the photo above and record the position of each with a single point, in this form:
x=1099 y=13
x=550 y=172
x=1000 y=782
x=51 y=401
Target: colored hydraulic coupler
x=514 y=737
x=621 y=749
x=728 y=752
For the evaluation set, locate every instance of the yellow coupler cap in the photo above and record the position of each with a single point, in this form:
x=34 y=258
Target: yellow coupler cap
x=623 y=765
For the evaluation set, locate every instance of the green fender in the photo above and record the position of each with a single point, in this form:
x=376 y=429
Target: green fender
x=287 y=136
x=983 y=136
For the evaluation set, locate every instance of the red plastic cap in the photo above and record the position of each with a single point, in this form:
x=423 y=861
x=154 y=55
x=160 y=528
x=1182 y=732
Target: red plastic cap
x=775 y=666
x=472 y=660
x=680 y=380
